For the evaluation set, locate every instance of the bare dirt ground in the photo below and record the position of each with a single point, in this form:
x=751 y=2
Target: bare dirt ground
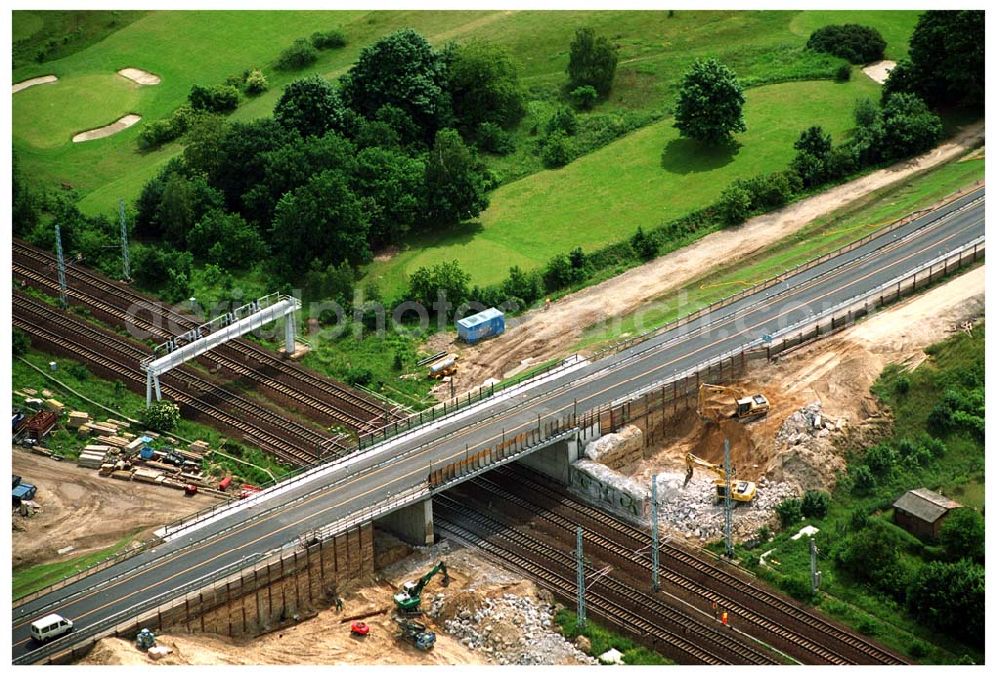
x=834 y=376
x=326 y=638
x=139 y=76
x=44 y=79
x=85 y=511
x=542 y=334
x=107 y=130
x=879 y=71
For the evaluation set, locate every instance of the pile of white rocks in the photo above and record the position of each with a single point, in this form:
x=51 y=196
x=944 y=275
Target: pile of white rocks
x=511 y=629
x=806 y=424
x=694 y=512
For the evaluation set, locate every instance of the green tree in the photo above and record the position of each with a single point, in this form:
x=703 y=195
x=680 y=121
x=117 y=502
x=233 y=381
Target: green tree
x=710 y=105
x=454 y=181
x=215 y=99
x=404 y=71
x=947 y=62
x=484 y=86
x=333 y=282
x=584 y=98
x=963 y=535
x=592 y=62
x=525 y=286
x=908 y=127
x=161 y=416
x=20 y=342
x=815 y=504
x=24 y=206
x=734 y=204
x=562 y=120
x=300 y=54
x=814 y=141
x=239 y=158
x=291 y=166
x=392 y=185
x=226 y=239
x=331 y=39
x=556 y=150
x=310 y=106
x=324 y=220
x=255 y=83
x=870 y=555
x=951 y=597
x=857 y=44
x=790 y=511
x=645 y=245
x=448 y=278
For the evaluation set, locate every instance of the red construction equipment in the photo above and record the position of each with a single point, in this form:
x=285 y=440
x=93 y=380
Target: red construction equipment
x=359 y=629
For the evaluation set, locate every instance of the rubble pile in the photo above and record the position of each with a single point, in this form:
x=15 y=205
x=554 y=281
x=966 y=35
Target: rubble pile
x=510 y=629
x=693 y=510
x=806 y=424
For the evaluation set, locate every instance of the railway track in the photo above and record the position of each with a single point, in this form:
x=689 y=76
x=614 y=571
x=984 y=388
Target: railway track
x=800 y=631
x=321 y=399
x=288 y=440
x=655 y=623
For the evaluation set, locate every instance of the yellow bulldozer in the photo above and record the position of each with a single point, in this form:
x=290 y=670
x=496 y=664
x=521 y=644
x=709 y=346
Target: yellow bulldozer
x=717 y=403
x=739 y=490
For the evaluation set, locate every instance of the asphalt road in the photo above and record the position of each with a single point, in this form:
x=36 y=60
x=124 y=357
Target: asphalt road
x=353 y=483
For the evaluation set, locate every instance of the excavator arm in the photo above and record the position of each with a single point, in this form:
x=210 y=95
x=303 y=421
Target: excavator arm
x=422 y=582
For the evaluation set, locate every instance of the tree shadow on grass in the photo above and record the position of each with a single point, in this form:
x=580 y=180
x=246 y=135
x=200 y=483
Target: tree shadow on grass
x=460 y=233
x=688 y=156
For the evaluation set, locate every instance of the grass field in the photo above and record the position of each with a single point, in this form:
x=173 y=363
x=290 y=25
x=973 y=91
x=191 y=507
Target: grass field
x=32 y=578
x=644 y=179
x=185 y=48
x=822 y=235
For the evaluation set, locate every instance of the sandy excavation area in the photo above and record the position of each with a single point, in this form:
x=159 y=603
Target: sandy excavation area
x=118 y=125
x=139 y=76
x=832 y=377
x=87 y=512
x=476 y=586
x=44 y=79
x=540 y=335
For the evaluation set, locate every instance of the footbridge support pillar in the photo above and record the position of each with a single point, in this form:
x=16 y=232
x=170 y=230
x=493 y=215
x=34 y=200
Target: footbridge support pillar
x=413 y=524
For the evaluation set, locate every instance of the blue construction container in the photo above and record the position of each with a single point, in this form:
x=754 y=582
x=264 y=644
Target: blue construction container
x=23 y=491
x=486 y=324
x=146 y=453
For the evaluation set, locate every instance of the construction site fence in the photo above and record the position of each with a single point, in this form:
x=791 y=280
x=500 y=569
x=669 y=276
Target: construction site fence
x=314 y=569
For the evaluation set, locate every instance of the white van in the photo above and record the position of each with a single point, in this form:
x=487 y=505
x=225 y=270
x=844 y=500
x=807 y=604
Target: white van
x=50 y=627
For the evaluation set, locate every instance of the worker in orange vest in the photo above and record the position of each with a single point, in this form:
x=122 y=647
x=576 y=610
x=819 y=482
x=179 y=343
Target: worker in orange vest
x=725 y=618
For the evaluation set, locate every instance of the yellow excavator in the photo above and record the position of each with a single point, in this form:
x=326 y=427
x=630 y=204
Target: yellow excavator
x=739 y=490
x=717 y=402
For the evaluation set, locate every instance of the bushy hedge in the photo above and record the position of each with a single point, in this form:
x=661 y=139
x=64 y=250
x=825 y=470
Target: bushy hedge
x=333 y=39
x=299 y=55
x=858 y=44
x=214 y=99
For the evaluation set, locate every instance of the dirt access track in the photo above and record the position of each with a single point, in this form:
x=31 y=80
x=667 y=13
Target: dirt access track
x=540 y=335
x=87 y=512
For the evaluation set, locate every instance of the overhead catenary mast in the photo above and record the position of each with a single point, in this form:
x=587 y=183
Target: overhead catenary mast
x=61 y=268
x=126 y=264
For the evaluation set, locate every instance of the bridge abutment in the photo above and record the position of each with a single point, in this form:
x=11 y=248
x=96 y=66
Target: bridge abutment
x=555 y=460
x=413 y=524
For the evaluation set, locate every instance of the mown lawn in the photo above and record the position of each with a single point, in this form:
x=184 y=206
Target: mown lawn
x=648 y=177
x=820 y=236
x=186 y=47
